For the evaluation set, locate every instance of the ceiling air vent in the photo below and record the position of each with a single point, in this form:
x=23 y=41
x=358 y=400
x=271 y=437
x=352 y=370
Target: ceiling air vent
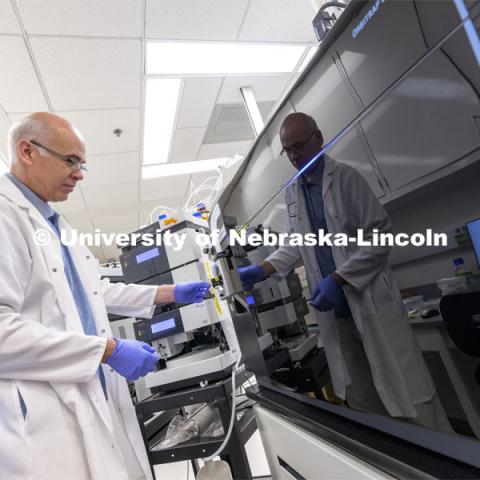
x=230 y=123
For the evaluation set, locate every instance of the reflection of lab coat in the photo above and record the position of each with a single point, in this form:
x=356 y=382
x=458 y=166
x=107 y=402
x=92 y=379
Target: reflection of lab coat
x=398 y=370
x=70 y=431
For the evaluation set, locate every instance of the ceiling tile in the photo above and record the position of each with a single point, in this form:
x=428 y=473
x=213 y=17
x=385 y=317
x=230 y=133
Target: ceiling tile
x=288 y=21
x=82 y=225
x=73 y=204
x=114 y=210
x=194 y=19
x=164 y=187
x=230 y=122
x=219 y=150
x=186 y=144
x=3 y=164
x=125 y=223
x=265 y=88
x=97 y=127
x=5 y=124
x=14 y=117
x=104 y=18
x=20 y=90
x=198 y=100
x=114 y=195
x=8 y=19
x=86 y=73
x=111 y=169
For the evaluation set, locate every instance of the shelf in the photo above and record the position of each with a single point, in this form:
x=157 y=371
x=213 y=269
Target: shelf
x=198 y=447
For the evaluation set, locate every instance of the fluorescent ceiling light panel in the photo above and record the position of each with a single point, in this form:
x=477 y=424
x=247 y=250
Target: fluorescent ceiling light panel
x=308 y=58
x=182 y=168
x=186 y=58
x=161 y=100
x=252 y=109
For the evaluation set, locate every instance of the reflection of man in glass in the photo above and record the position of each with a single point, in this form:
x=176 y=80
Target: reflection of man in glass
x=374 y=360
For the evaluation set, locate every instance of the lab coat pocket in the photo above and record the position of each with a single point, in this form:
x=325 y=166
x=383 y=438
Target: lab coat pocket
x=23 y=407
x=361 y=302
x=393 y=291
x=393 y=288
x=14 y=454
x=382 y=295
x=42 y=406
x=19 y=405
x=52 y=434
x=292 y=225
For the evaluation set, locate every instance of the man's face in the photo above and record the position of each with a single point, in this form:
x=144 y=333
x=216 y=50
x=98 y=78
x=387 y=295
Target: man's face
x=300 y=144
x=54 y=178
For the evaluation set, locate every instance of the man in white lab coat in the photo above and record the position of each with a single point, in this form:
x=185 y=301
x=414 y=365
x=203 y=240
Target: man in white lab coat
x=373 y=357
x=66 y=411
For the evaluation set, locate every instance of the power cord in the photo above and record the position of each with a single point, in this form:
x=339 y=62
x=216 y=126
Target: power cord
x=220 y=449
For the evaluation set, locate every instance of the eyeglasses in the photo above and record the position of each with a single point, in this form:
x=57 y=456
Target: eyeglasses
x=73 y=161
x=297 y=147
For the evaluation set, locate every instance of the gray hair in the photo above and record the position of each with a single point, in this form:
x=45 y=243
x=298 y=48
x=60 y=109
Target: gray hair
x=29 y=128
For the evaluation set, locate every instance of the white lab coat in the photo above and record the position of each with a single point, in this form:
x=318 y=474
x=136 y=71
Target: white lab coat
x=70 y=430
x=399 y=372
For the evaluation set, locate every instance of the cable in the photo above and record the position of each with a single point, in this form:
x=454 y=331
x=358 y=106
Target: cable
x=209 y=188
x=167 y=210
x=232 y=418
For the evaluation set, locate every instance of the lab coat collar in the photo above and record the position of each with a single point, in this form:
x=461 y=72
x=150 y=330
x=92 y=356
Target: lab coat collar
x=11 y=192
x=330 y=165
x=43 y=207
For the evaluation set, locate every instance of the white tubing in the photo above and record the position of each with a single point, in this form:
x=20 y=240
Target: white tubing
x=232 y=418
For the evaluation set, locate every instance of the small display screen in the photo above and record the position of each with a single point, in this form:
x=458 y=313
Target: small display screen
x=163 y=325
x=474 y=230
x=148 y=255
x=250 y=299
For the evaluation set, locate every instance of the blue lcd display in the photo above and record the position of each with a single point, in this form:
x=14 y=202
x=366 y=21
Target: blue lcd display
x=163 y=325
x=148 y=255
x=250 y=299
x=474 y=231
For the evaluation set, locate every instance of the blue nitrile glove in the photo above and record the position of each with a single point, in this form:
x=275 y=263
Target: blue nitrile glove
x=190 y=292
x=133 y=359
x=327 y=294
x=251 y=275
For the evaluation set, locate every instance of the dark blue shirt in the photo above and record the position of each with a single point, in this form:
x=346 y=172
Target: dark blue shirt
x=313 y=190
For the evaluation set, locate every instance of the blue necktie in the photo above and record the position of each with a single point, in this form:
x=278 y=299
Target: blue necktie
x=78 y=293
